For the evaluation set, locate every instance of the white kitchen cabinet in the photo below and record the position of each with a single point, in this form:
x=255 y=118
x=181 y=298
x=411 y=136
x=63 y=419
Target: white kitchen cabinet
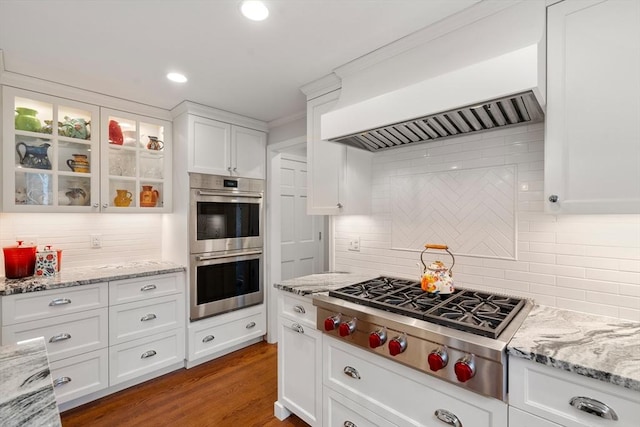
x=78 y=376
x=219 y=148
x=47 y=167
x=218 y=335
x=592 y=154
x=546 y=392
x=400 y=394
x=136 y=163
x=339 y=175
x=340 y=411
x=518 y=418
x=299 y=360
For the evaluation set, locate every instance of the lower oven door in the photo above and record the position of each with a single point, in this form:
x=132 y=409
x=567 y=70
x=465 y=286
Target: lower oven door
x=222 y=282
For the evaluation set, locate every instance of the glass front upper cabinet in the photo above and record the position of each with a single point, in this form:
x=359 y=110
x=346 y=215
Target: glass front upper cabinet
x=136 y=163
x=50 y=153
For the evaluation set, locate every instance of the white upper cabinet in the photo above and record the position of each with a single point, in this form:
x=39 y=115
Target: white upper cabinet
x=592 y=141
x=50 y=153
x=136 y=163
x=219 y=148
x=339 y=176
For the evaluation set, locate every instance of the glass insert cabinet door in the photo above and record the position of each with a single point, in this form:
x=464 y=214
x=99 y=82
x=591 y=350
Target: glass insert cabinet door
x=136 y=162
x=50 y=153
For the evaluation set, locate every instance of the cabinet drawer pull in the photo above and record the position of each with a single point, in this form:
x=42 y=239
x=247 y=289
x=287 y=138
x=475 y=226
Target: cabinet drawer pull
x=61 y=381
x=60 y=337
x=147 y=288
x=553 y=198
x=148 y=354
x=299 y=309
x=447 y=417
x=339 y=205
x=298 y=328
x=349 y=424
x=250 y=325
x=147 y=317
x=352 y=372
x=595 y=407
x=59 y=301
x=208 y=338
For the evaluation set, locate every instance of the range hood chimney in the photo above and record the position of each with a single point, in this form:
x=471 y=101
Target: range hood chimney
x=495 y=89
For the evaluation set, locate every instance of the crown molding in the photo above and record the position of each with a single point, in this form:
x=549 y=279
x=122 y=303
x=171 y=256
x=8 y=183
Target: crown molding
x=189 y=107
x=323 y=85
x=287 y=119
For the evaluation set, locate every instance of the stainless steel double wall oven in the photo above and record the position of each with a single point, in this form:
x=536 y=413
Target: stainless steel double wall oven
x=226 y=228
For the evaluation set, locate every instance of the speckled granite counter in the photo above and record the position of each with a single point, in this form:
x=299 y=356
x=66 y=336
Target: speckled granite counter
x=322 y=282
x=87 y=275
x=603 y=348
x=26 y=389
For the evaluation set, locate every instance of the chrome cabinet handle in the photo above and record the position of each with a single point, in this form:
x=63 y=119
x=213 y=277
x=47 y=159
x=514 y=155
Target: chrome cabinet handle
x=105 y=205
x=339 y=205
x=447 y=417
x=95 y=205
x=147 y=288
x=298 y=328
x=208 y=338
x=60 y=337
x=594 y=407
x=229 y=168
x=147 y=317
x=59 y=301
x=349 y=424
x=299 y=309
x=235 y=169
x=553 y=198
x=250 y=325
x=147 y=354
x=61 y=381
x=352 y=372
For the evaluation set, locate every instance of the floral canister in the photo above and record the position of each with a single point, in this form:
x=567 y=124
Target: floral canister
x=46 y=262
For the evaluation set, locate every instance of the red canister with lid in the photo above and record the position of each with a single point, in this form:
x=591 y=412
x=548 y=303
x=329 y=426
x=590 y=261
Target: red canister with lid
x=19 y=261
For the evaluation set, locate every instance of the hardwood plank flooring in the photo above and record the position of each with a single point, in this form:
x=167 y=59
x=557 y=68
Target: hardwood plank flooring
x=238 y=389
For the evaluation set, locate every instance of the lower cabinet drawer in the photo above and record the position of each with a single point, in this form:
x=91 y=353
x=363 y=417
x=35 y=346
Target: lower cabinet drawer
x=132 y=359
x=547 y=392
x=142 y=318
x=212 y=335
x=518 y=418
x=67 y=335
x=77 y=376
x=386 y=387
x=339 y=411
x=140 y=288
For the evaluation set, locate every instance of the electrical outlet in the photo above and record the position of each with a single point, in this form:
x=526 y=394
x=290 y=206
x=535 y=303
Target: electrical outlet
x=354 y=244
x=96 y=241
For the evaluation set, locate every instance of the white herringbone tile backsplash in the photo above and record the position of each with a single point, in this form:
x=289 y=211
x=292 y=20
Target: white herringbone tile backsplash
x=588 y=263
x=125 y=237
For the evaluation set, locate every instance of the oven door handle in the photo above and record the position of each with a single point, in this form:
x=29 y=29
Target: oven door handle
x=210 y=257
x=229 y=194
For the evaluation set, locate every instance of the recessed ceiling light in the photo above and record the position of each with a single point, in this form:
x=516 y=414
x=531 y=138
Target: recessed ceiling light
x=177 y=77
x=254 y=10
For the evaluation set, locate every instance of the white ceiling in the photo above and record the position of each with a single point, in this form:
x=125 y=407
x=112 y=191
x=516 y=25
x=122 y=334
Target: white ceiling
x=124 y=48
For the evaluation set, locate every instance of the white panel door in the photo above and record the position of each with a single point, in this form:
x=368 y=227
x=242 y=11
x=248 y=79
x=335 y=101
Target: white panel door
x=301 y=242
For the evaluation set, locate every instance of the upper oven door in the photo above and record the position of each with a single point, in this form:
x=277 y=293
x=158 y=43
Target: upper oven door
x=222 y=221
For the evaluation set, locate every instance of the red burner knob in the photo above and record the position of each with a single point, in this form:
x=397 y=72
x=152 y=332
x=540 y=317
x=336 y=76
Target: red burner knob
x=377 y=338
x=347 y=328
x=437 y=359
x=465 y=369
x=330 y=323
x=397 y=345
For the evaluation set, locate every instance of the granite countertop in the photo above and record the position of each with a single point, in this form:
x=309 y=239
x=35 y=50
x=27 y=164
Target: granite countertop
x=87 y=275
x=26 y=389
x=322 y=282
x=599 y=347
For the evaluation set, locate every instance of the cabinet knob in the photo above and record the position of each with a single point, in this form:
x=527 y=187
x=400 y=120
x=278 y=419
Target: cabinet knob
x=339 y=205
x=553 y=198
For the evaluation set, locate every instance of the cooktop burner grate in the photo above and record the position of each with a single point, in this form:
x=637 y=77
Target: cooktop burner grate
x=480 y=313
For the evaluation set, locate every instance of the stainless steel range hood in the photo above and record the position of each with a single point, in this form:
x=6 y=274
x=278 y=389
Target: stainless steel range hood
x=501 y=91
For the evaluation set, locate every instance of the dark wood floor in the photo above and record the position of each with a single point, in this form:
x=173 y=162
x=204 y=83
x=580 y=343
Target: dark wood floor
x=238 y=389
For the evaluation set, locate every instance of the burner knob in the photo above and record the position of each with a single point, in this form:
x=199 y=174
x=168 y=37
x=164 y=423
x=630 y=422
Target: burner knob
x=377 y=338
x=347 y=328
x=397 y=345
x=330 y=323
x=465 y=368
x=438 y=359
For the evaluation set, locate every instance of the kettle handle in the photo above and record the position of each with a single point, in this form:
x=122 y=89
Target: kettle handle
x=442 y=247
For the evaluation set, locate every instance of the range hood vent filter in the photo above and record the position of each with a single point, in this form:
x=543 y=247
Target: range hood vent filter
x=514 y=110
